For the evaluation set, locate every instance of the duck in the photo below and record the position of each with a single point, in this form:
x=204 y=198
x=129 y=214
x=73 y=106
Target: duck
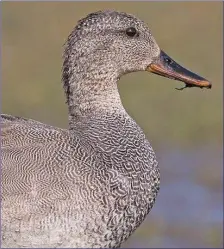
x=93 y=184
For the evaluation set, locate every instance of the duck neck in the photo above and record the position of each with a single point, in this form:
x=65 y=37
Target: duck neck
x=91 y=93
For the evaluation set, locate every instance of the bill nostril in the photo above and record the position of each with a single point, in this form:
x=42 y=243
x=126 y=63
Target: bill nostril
x=168 y=60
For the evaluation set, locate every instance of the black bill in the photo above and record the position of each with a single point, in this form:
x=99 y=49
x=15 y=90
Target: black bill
x=167 y=67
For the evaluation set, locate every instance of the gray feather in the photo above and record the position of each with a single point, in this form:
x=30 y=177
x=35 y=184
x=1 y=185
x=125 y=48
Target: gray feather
x=92 y=185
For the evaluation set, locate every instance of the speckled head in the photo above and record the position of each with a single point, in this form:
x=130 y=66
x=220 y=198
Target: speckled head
x=107 y=44
x=116 y=39
x=100 y=49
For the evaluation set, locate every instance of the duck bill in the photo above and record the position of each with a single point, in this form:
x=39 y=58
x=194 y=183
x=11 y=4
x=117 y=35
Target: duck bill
x=165 y=66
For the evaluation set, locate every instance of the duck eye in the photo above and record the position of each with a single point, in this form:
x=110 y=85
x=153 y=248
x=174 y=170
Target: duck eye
x=131 y=31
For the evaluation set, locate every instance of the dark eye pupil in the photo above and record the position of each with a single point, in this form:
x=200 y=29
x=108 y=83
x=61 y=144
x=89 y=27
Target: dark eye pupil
x=131 y=32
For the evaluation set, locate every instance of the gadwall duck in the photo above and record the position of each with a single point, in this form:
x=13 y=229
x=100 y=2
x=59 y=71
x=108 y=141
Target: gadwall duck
x=91 y=185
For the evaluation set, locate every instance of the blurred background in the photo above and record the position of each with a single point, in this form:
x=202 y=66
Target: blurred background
x=184 y=127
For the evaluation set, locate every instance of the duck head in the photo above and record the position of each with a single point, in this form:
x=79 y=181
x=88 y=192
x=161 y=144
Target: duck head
x=116 y=43
x=106 y=45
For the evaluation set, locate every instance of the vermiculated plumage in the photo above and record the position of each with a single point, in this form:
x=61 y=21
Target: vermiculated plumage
x=93 y=184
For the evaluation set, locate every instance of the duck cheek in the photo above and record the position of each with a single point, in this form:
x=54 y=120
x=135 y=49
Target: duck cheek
x=139 y=61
